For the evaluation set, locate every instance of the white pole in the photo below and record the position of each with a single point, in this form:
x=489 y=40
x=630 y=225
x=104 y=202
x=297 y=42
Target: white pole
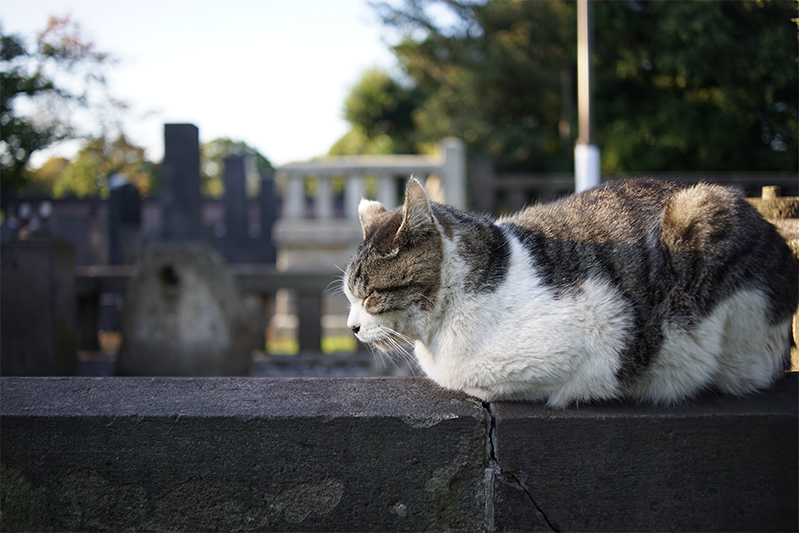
x=587 y=166
x=454 y=172
x=587 y=155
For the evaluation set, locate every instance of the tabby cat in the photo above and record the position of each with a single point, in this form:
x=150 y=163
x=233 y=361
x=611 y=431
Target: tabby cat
x=641 y=289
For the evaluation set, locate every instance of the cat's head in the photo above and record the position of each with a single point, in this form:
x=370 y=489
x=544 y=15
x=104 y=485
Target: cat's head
x=393 y=280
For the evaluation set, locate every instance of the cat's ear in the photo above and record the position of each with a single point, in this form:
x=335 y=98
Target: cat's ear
x=367 y=211
x=417 y=213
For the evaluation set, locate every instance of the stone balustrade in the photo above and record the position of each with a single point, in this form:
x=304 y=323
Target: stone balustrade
x=314 y=233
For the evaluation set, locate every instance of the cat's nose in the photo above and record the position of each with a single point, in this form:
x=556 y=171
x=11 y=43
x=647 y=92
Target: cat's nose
x=355 y=329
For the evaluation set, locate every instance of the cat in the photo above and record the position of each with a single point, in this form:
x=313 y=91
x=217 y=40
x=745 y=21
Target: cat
x=636 y=289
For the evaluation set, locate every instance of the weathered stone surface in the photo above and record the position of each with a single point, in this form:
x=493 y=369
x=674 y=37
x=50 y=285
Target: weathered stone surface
x=243 y=454
x=226 y=454
x=715 y=464
x=38 y=330
x=776 y=207
x=184 y=316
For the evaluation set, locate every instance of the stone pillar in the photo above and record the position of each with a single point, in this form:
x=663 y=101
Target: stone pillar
x=387 y=191
x=268 y=207
x=38 y=334
x=324 y=203
x=294 y=203
x=235 y=202
x=309 y=318
x=454 y=172
x=352 y=196
x=124 y=221
x=180 y=184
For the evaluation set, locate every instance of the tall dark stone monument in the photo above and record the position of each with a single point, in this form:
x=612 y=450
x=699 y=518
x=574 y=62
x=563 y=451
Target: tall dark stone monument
x=184 y=313
x=38 y=335
x=124 y=222
x=268 y=202
x=235 y=202
x=238 y=244
x=180 y=184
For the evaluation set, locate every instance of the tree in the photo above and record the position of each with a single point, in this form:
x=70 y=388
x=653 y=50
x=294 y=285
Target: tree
x=379 y=111
x=679 y=85
x=697 y=85
x=42 y=88
x=89 y=173
x=40 y=181
x=212 y=165
x=496 y=76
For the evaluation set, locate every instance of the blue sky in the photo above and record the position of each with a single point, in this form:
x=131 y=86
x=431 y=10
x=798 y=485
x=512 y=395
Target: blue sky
x=273 y=73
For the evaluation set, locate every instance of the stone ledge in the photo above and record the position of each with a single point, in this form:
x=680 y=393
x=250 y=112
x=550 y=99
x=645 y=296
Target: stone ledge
x=249 y=454
x=715 y=464
x=239 y=454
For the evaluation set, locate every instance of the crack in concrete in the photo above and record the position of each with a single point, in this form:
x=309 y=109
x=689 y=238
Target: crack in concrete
x=494 y=471
x=530 y=497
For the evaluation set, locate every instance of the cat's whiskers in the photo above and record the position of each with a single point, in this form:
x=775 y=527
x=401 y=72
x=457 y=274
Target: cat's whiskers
x=398 y=344
x=419 y=294
x=336 y=287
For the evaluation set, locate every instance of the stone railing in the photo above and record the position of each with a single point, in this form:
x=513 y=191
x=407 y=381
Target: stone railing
x=510 y=191
x=258 y=281
x=239 y=454
x=313 y=233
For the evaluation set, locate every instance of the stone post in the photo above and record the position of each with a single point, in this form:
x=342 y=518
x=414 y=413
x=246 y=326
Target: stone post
x=387 y=191
x=454 y=172
x=294 y=203
x=124 y=220
x=180 y=184
x=38 y=334
x=352 y=196
x=268 y=214
x=235 y=202
x=324 y=203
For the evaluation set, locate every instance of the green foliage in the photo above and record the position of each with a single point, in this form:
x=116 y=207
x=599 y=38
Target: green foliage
x=88 y=174
x=41 y=90
x=212 y=166
x=697 y=85
x=379 y=110
x=678 y=85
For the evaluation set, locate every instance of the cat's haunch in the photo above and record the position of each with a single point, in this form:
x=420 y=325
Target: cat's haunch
x=641 y=289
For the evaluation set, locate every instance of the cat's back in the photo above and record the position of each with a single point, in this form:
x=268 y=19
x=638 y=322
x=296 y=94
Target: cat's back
x=701 y=235
x=673 y=253
x=615 y=210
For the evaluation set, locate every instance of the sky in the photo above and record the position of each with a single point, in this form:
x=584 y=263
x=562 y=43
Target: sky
x=271 y=73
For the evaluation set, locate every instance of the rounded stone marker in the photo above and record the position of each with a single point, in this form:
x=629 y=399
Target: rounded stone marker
x=184 y=316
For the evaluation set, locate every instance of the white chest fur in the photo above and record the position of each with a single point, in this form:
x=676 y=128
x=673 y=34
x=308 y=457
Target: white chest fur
x=521 y=342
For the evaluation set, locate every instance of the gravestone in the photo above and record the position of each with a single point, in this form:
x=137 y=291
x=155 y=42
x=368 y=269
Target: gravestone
x=124 y=222
x=235 y=201
x=38 y=335
x=184 y=314
x=180 y=184
x=237 y=244
x=268 y=202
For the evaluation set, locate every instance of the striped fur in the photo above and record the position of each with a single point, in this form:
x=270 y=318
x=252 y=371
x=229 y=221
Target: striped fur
x=635 y=289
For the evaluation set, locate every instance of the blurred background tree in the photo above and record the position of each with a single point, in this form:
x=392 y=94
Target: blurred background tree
x=212 y=166
x=679 y=85
x=90 y=172
x=42 y=89
x=379 y=111
x=697 y=85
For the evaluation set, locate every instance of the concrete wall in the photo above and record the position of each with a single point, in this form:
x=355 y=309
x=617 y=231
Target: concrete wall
x=239 y=454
